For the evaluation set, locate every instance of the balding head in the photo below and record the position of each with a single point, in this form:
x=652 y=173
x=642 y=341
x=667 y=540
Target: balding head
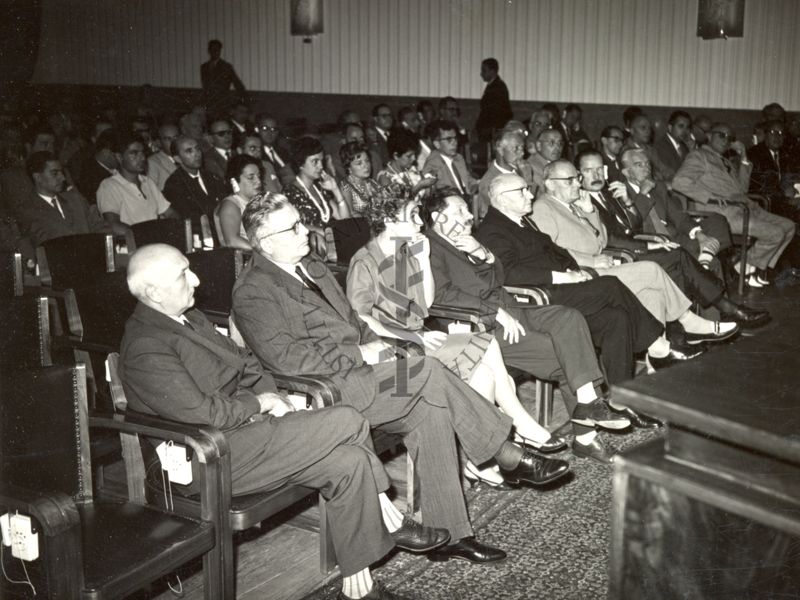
x=562 y=181
x=159 y=276
x=505 y=184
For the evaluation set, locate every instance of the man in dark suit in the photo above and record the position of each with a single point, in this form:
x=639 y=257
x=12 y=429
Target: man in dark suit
x=296 y=319
x=217 y=76
x=771 y=161
x=611 y=140
x=174 y=364
x=495 y=109
x=52 y=212
x=217 y=154
x=378 y=136
x=671 y=148
x=641 y=138
x=549 y=342
x=192 y=190
x=623 y=221
x=275 y=161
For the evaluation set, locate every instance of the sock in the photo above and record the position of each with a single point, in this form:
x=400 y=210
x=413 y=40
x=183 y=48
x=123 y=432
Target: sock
x=392 y=518
x=508 y=456
x=693 y=323
x=586 y=393
x=586 y=438
x=660 y=348
x=705 y=259
x=357 y=585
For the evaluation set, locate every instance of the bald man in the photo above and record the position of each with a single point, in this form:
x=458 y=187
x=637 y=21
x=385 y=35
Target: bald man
x=174 y=364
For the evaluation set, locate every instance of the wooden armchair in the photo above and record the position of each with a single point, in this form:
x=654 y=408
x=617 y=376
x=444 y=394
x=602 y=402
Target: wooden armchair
x=25 y=335
x=90 y=548
x=75 y=260
x=175 y=232
x=217 y=271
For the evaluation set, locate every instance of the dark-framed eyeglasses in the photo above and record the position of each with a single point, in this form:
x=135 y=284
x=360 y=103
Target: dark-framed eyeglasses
x=577 y=178
x=519 y=189
x=295 y=227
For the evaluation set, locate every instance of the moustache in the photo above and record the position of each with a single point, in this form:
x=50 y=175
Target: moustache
x=598 y=182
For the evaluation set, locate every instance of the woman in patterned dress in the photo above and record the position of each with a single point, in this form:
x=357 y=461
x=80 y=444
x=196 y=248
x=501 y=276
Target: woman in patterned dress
x=357 y=186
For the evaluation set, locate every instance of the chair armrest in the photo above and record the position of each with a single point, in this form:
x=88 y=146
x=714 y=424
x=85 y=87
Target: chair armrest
x=622 y=254
x=456 y=313
x=647 y=237
x=321 y=388
x=55 y=512
x=536 y=295
x=764 y=201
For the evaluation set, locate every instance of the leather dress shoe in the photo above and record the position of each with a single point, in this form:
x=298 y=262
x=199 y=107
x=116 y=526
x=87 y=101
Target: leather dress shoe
x=553 y=444
x=415 y=537
x=746 y=317
x=639 y=420
x=676 y=356
x=535 y=470
x=718 y=335
x=596 y=451
x=378 y=592
x=470 y=549
x=597 y=414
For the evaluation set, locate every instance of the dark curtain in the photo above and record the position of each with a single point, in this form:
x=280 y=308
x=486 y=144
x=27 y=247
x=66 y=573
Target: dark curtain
x=19 y=31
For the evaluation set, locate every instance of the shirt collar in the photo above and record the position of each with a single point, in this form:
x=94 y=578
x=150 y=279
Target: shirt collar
x=674 y=142
x=502 y=169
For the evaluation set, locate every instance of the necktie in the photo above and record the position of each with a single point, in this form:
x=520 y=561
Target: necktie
x=311 y=284
x=526 y=220
x=227 y=154
x=459 y=181
x=57 y=206
x=576 y=211
x=188 y=324
x=777 y=162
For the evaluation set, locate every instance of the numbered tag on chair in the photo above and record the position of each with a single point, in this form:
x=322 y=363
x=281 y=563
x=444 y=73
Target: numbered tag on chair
x=299 y=401
x=455 y=328
x=174 y=461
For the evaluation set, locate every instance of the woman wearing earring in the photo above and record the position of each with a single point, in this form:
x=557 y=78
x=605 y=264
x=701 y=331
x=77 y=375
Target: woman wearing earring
x=357 y=187
x=390 y=286
x=244 y=176
x=403 y=148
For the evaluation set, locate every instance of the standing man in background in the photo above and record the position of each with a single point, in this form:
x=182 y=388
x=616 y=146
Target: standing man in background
x=495 y=104
x=217 y=77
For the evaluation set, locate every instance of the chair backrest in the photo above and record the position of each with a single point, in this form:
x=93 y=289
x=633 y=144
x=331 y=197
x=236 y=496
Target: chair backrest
x=218 y=226
x=44 y=433
x=349 y=235
x=25 y=334
x=217 y=271
x=10 y=275
x=76 y=260
x=175 y=232
x=103 y=308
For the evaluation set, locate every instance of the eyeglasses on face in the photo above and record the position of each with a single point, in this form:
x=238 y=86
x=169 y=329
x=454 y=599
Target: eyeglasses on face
x=578 y=178
x=222 y=132
x=775 y=131
x=266 y=128
x=296 y=227
x=519 y=189
x=724 y=135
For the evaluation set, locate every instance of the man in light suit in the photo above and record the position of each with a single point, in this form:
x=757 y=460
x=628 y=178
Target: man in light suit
x=549 y=147
x=509 y=149
x=445 y=163
x=707 y=177
x=174 y=364
x=296 y=319
x=52 y=212
x=161 y=165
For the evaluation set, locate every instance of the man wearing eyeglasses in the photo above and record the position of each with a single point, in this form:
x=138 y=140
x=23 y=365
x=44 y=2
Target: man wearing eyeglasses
x=611 y=140
x=509 y=149
x=770 y=160
x=275 y=163
x=219 y=150
x=707 y=177
x=549 y=147
x=378 y=135
x=445 y=163
x=296 y=319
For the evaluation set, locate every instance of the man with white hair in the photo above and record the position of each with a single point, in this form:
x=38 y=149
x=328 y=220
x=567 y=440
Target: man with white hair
x=174 y=364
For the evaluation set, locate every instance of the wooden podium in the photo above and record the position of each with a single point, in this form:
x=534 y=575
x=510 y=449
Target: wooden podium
x=712 y=510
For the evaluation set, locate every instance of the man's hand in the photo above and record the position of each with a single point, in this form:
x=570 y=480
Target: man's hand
x=512 y=328
x=570 y=276
x=647 y=186
x=274 y=404
x=739 y=148
x=707 y=243
x=662 y=246
x=603 y=262
x=619 y=191
x=427 y=181
x=433 y=340
x=468 y=244
x=377 y=352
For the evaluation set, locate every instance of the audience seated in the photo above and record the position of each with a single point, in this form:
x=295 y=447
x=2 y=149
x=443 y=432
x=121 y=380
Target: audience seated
x=160 y=164
x=16 y=185
x=611 y=140
x=707 y=177
x=672 y=148
x=244 y=173
x=408 y=119
x=275 y=165
x=130 y=196
x=445 y=163
x=217 y=152
x=771 y=162
x=575 y=138
x=358 y=188
x=378 y=135
x=101 y=164
x=641 y=138
x=296 y=319
x=509 y=149
x=351 y=132
x=403 y=148
x=549 y=147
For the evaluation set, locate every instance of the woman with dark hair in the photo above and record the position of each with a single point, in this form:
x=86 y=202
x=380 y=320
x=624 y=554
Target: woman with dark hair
x=390 y=285
x=357 y=187
x=314 y=192
x=403 y=147
x=244 y=175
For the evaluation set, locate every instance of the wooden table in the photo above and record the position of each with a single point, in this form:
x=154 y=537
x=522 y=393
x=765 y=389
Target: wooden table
x=712 y=510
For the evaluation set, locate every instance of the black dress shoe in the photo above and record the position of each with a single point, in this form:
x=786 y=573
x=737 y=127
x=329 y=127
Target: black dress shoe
x=748 y=318
x=637 y=419
x=597 y=414
x=718 y=335
x=535 y=470
x=596 y=451
x=378 y=592
x=676 y=356
x=554 y=444
x=470 y=549
x=415 y=537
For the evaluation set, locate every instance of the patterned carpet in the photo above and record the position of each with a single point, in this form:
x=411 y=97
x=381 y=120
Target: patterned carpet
x=557 y=539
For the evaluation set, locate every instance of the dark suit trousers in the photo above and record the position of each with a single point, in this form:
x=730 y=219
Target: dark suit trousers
x=425 y=403
x=693 y=280
x=557 y=346
x=620 y=326
x=328 y=450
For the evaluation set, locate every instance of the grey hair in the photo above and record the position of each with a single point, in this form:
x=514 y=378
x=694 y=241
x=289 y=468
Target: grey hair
x=256 y=213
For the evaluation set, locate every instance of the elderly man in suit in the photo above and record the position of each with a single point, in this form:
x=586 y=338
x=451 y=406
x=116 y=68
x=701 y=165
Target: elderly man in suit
x=51 y=212
x=626 y=215
x=641 y=138
x=160 y=165
x=509 y=149
x=549 y=342
x=572 y=222
x=549 y=147
x=174 y=364
x=296 y=319
x=707 y=177
x=495 y=109
x=445 y=163
x=192 y=190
